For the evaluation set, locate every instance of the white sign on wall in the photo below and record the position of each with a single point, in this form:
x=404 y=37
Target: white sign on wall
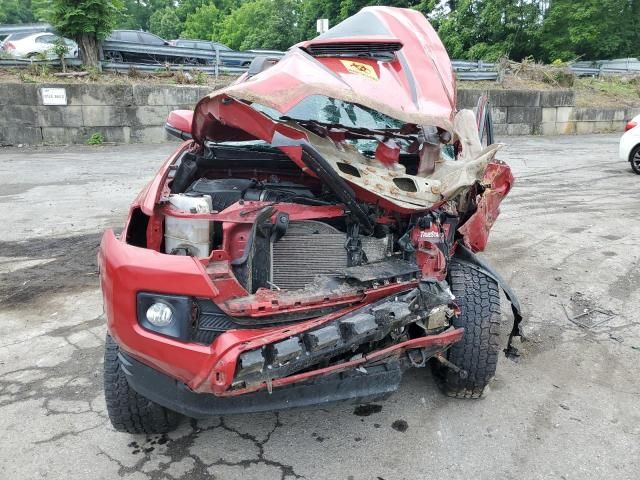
x=53 y=96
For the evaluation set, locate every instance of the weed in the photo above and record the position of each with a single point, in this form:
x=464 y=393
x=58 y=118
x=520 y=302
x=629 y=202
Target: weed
x=96 y=138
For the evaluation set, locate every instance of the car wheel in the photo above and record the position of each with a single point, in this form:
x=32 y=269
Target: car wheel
x=190 y=61
x=115 y=57
x=478 y=297
x=634 y=159
x=128 y=410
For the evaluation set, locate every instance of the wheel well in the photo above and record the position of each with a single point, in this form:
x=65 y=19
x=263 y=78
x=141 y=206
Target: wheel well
x=633 y=151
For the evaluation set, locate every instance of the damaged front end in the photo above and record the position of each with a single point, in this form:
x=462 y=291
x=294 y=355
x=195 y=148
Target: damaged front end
x=322 y=201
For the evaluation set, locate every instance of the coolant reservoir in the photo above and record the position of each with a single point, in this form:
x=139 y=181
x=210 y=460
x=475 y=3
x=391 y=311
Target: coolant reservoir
x=186 y=236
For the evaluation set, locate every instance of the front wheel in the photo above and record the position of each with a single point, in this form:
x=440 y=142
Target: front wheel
x=478 y=297
x=634 y=159
x=128 y=410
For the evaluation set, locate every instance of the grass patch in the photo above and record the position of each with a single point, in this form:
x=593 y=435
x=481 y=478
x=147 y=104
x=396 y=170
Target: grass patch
x=95 y=139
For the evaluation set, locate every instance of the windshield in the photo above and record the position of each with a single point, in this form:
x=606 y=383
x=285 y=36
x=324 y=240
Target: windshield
x=328 y=110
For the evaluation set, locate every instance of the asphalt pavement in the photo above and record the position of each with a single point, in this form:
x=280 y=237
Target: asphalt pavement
x=567 y=240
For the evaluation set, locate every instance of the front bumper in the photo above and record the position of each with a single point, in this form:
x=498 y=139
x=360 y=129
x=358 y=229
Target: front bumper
x=377 y=383
x=212 y=368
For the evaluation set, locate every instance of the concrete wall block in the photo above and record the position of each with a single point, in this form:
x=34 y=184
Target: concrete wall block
x=583 y=128
x=468 y=98
x=566 y=128
x=519 y=129
x=15 y=135
x=60 y=116
x=153 y=115
x=530 y=115
x=557 y=98
x=22 y=115
x=166 y=95
x=499 y=114
x=105 y=116
x=65 y=136
x=112 y=95
x=18 y=94
x=549 y=114
x=592 y=114
x=564 y=114
x=606 y=127
x=500 y=129
x=150 y=135
x=514 y=98
x=183 y=94
x=548 y=128
x=631 y=112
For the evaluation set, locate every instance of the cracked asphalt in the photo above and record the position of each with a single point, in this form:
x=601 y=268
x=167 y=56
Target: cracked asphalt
x=567 y=240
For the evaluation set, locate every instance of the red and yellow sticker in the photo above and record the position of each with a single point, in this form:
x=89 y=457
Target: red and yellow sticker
x=360 y=69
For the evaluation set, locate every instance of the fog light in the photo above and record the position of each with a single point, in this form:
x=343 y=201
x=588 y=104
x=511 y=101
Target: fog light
x=160 y=314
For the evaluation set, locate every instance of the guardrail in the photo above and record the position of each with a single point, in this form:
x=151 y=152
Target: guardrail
x=24 y=28
x=216 y=62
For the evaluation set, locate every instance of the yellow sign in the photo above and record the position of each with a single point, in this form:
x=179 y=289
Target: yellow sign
x=360 y=68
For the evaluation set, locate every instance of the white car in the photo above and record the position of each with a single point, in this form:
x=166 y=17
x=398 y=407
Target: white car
x=630 y=144
x=27 y=45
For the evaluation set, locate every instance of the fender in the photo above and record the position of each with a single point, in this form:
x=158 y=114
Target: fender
x=464 y=255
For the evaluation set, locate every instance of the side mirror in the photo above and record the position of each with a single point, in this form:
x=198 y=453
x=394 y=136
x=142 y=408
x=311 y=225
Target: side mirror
x=179 y=123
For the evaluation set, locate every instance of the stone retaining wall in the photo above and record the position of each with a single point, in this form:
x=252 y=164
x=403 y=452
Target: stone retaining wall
x=546 y=113
x=120 y=113
x=136 y=113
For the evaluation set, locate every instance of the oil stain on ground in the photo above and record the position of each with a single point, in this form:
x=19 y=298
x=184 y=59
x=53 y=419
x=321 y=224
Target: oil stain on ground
x=69 y=264
x=400 y=426
x=366 y=410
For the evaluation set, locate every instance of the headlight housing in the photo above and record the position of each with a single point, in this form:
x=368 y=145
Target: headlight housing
x=169 y=315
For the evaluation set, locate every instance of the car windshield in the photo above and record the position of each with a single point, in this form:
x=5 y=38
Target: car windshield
x=331 y=111
x=321 y=109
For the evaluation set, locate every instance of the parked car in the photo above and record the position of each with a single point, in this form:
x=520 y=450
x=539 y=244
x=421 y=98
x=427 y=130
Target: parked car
x=630 y=144
x=226 y=58
x=118 y=53
x=28 y=45
x=308 y=243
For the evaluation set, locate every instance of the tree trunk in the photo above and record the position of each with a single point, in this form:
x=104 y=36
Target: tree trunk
x=89 y=49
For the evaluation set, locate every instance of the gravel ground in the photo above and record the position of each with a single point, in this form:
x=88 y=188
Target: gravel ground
x=568 y=408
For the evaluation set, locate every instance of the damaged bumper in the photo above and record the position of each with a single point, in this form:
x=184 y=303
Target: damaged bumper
x=244 y=360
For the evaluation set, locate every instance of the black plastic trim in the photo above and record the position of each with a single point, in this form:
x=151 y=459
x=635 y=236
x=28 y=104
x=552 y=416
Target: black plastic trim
x=377 y=383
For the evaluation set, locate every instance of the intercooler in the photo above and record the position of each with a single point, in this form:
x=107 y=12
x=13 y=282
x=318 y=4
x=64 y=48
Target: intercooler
x=311 y=248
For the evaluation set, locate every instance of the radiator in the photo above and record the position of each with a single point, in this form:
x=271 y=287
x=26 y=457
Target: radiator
x=311 y=248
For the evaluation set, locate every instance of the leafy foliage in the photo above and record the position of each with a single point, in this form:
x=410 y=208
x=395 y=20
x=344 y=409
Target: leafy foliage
x=471 y=29
x=261 y=24
x=203 y=23
x=76 y=17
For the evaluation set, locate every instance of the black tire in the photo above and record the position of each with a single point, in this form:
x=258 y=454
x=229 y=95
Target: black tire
x=128 y=410
x=113 y=56
x=634 y=160
x=478 y=298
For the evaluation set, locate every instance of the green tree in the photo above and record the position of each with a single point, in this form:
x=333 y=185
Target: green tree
x=593 y=29
x=86 y=21
x=16 y=11
x=490 y=29
x=166 y=23
x=312 y=10
x=262 y=24
x=202 y=23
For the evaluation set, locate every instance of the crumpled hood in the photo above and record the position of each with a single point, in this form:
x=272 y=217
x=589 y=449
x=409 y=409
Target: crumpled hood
x=417 y=86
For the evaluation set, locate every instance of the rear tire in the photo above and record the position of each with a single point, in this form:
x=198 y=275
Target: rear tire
x=634 y=159
x=128 y=410
x=478 y=297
